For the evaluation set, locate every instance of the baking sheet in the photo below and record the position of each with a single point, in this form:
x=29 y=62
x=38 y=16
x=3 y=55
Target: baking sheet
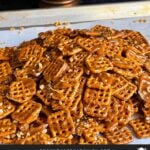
x=15 y=37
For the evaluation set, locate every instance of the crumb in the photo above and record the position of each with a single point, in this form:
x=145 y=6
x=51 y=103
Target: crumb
x=58 y=23
x=12 y=29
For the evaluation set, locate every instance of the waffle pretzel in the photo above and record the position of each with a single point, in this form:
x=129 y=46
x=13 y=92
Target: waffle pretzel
x=6 y=107
x=27 y=112
x=141 y=128
x=55 y=69
x=99 y=81
x=78 y=59
x=90 y=124
x=105 y=32
x=89 y=44
x=35 y=65
x=98 y=64
x=113 y=48
x=62 y=140
x=136 y=40
x=44 y=96
x=53 y=40
x=72 y=102
x=147 y=114
x=22 y=90
x=73 y=74
x=6 y=53
x=144 y=87
x=97 y=102
x=61 y=123
x=98 y=140
x=69 y=47
x=26 y=52
x=127 y=92
x=147 y=65
x=124 y=63
x=100 y=97
x=135 y=72
x=120 y=135
x=95 y=110
x=132 y=53
x=5 y=71
x=37 y=138
x=7 y=127
x=65 y=93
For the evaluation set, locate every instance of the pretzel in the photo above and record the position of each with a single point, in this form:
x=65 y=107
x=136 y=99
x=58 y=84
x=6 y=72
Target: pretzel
x=97 y=102
x=95 y=110
x=4 y=140
x=68 y=47
x=6 y=107
x=55 y=69
x=99 y=81
x=113 y=48
x=65 y=93
x=3 y=89
x=141 y=128
x=98 y=140
x=124 y=63
x=6 y=127
x=27 y=112
x=78 y=59
x=61 y=123
x=136 y=40
x=43 y=97
x=133 y=54
x=89 y=33
x=119 y=113
x=42 y=138
x=22 y=91
x=5 y=71
x=147 y=65
x=86 y=124
x=90 y=45
x=100 y=97
x=105 y=32
x=120 y=135
x=53 y=40
x=73 y=73
x=62 y=140
x=129 y=73
x=147 y=114
x=144 y=87
x=26 y=52
x=78 y=112
x=6 y=53
x=127 y=92
x=98 y=64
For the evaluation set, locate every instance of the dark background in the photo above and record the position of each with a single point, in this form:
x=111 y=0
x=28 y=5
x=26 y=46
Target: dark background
x=32 y=4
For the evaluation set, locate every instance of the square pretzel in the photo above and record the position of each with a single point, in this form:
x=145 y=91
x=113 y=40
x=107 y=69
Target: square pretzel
x=98 y=64
x=6 y=107
x=5 y=71
x=120 y=135
x=55 y=69
x=7 y=127
x=27 y=112
x=61 y=124
x=23 y=90
x=141 y=128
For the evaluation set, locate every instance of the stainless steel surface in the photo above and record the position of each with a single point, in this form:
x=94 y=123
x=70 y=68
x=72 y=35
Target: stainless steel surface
x=73 y=15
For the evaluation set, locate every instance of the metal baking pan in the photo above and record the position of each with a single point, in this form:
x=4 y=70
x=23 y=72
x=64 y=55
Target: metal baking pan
x=135 y=16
